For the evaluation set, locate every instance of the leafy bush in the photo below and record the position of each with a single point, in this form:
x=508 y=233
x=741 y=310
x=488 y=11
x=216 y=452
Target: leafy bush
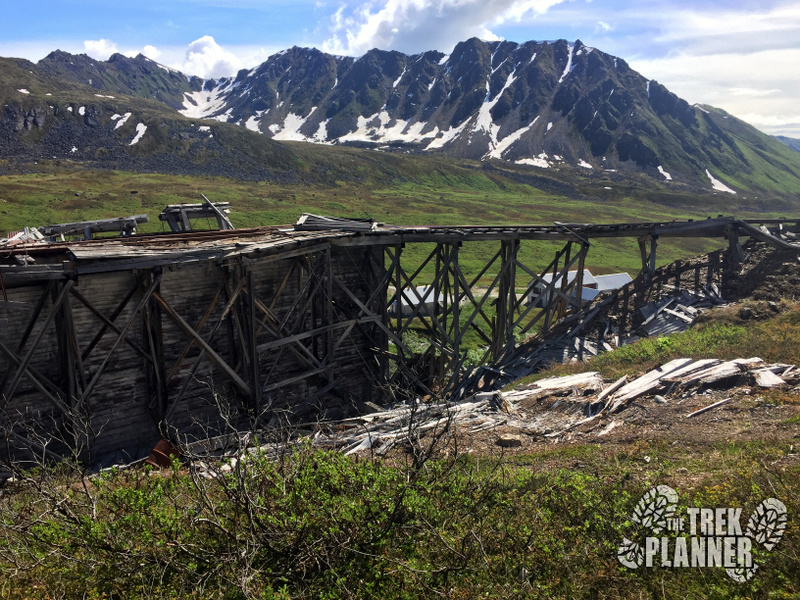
x=317 y=524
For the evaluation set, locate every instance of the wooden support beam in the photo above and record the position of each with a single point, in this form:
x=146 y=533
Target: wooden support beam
x=206 y=315
x=22 y=367
x=155 y=372
x=365 y=311
x=107 y=323
x=229 y=306
x=222 y=219
x=255 y=364
x=298 y=378
x=50 y=391
x=648 y=256
x=734 y=246
x=218 y=360
x=123 y=333
x=28 y=329
x=304 y=335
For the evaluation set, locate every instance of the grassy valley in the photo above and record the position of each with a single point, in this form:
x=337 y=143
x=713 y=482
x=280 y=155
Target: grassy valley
x=391 y=188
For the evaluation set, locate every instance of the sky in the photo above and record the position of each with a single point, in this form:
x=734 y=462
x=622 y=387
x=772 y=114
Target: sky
x=742 y=55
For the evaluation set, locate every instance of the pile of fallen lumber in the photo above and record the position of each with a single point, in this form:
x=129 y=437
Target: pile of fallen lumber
x=581 y=337
x=547 y=409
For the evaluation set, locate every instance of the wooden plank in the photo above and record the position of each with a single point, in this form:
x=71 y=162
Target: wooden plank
x=708 y=408
x=718 y=372
x=765 y=378
x=298 y=378
x=691 y=369
x=99 y=226
x=612 y=388
x=578 y=380
x=678 y=314
x=314 y=332
x=647 y=382
x=223 y=220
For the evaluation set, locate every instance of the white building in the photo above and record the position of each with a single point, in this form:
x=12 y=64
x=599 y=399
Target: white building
x=409 y=301
x=592 y=284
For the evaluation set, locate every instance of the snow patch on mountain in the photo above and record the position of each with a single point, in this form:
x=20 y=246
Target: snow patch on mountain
x=254 y=120
x=568 y=68
x=504 y=144
x=537 y=161
x=204 y=104
x=290 y=130
x=224 y=117
x=484 y=120
x=321 y=134
x=122 y=119
x=666 y=175
x=140 y=129
x=718 y=185
x=447 y=136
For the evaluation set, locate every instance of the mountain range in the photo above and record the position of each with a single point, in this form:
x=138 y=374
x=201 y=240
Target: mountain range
x=547 y=106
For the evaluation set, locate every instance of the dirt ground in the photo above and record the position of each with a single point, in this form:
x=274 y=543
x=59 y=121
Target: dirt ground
x=749 y=416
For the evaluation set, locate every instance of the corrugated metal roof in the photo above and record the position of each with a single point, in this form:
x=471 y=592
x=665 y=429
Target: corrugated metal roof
x=612 y=281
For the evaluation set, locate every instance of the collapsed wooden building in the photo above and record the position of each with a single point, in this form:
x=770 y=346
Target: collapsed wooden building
x=108 y=345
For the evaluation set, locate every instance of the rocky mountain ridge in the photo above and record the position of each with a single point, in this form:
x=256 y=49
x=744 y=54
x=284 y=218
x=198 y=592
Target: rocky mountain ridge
x=548 y=105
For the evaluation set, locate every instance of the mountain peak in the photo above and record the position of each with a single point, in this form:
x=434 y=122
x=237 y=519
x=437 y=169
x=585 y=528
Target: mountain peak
x=555 y=105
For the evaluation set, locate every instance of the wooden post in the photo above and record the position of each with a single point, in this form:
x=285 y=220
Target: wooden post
x=155 y=373
x=457 y=333
x=579 y=279
x=734 y=247
x=653 y=246
x=255 y=366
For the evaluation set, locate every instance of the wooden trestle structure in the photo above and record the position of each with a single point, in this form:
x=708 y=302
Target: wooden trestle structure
x=110 y=344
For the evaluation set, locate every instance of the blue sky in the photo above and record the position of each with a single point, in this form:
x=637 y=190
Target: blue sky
x=742 y=56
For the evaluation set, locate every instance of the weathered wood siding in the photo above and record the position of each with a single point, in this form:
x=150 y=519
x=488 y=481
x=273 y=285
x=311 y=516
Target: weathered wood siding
x=307 y=376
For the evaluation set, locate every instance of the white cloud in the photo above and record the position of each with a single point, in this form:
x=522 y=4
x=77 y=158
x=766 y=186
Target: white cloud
x=100 y=49
x=205 y=58
x=413 y=26
x=723 y=29
x=604 y=27
x=720 y=80
x=151 y=52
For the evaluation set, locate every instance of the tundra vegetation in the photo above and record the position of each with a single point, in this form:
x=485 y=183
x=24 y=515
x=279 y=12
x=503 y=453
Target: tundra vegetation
x=435 y=520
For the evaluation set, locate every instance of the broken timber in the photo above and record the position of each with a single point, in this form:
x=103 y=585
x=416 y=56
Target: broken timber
x=179 y=217
x=147 y=336
x=126 y=226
